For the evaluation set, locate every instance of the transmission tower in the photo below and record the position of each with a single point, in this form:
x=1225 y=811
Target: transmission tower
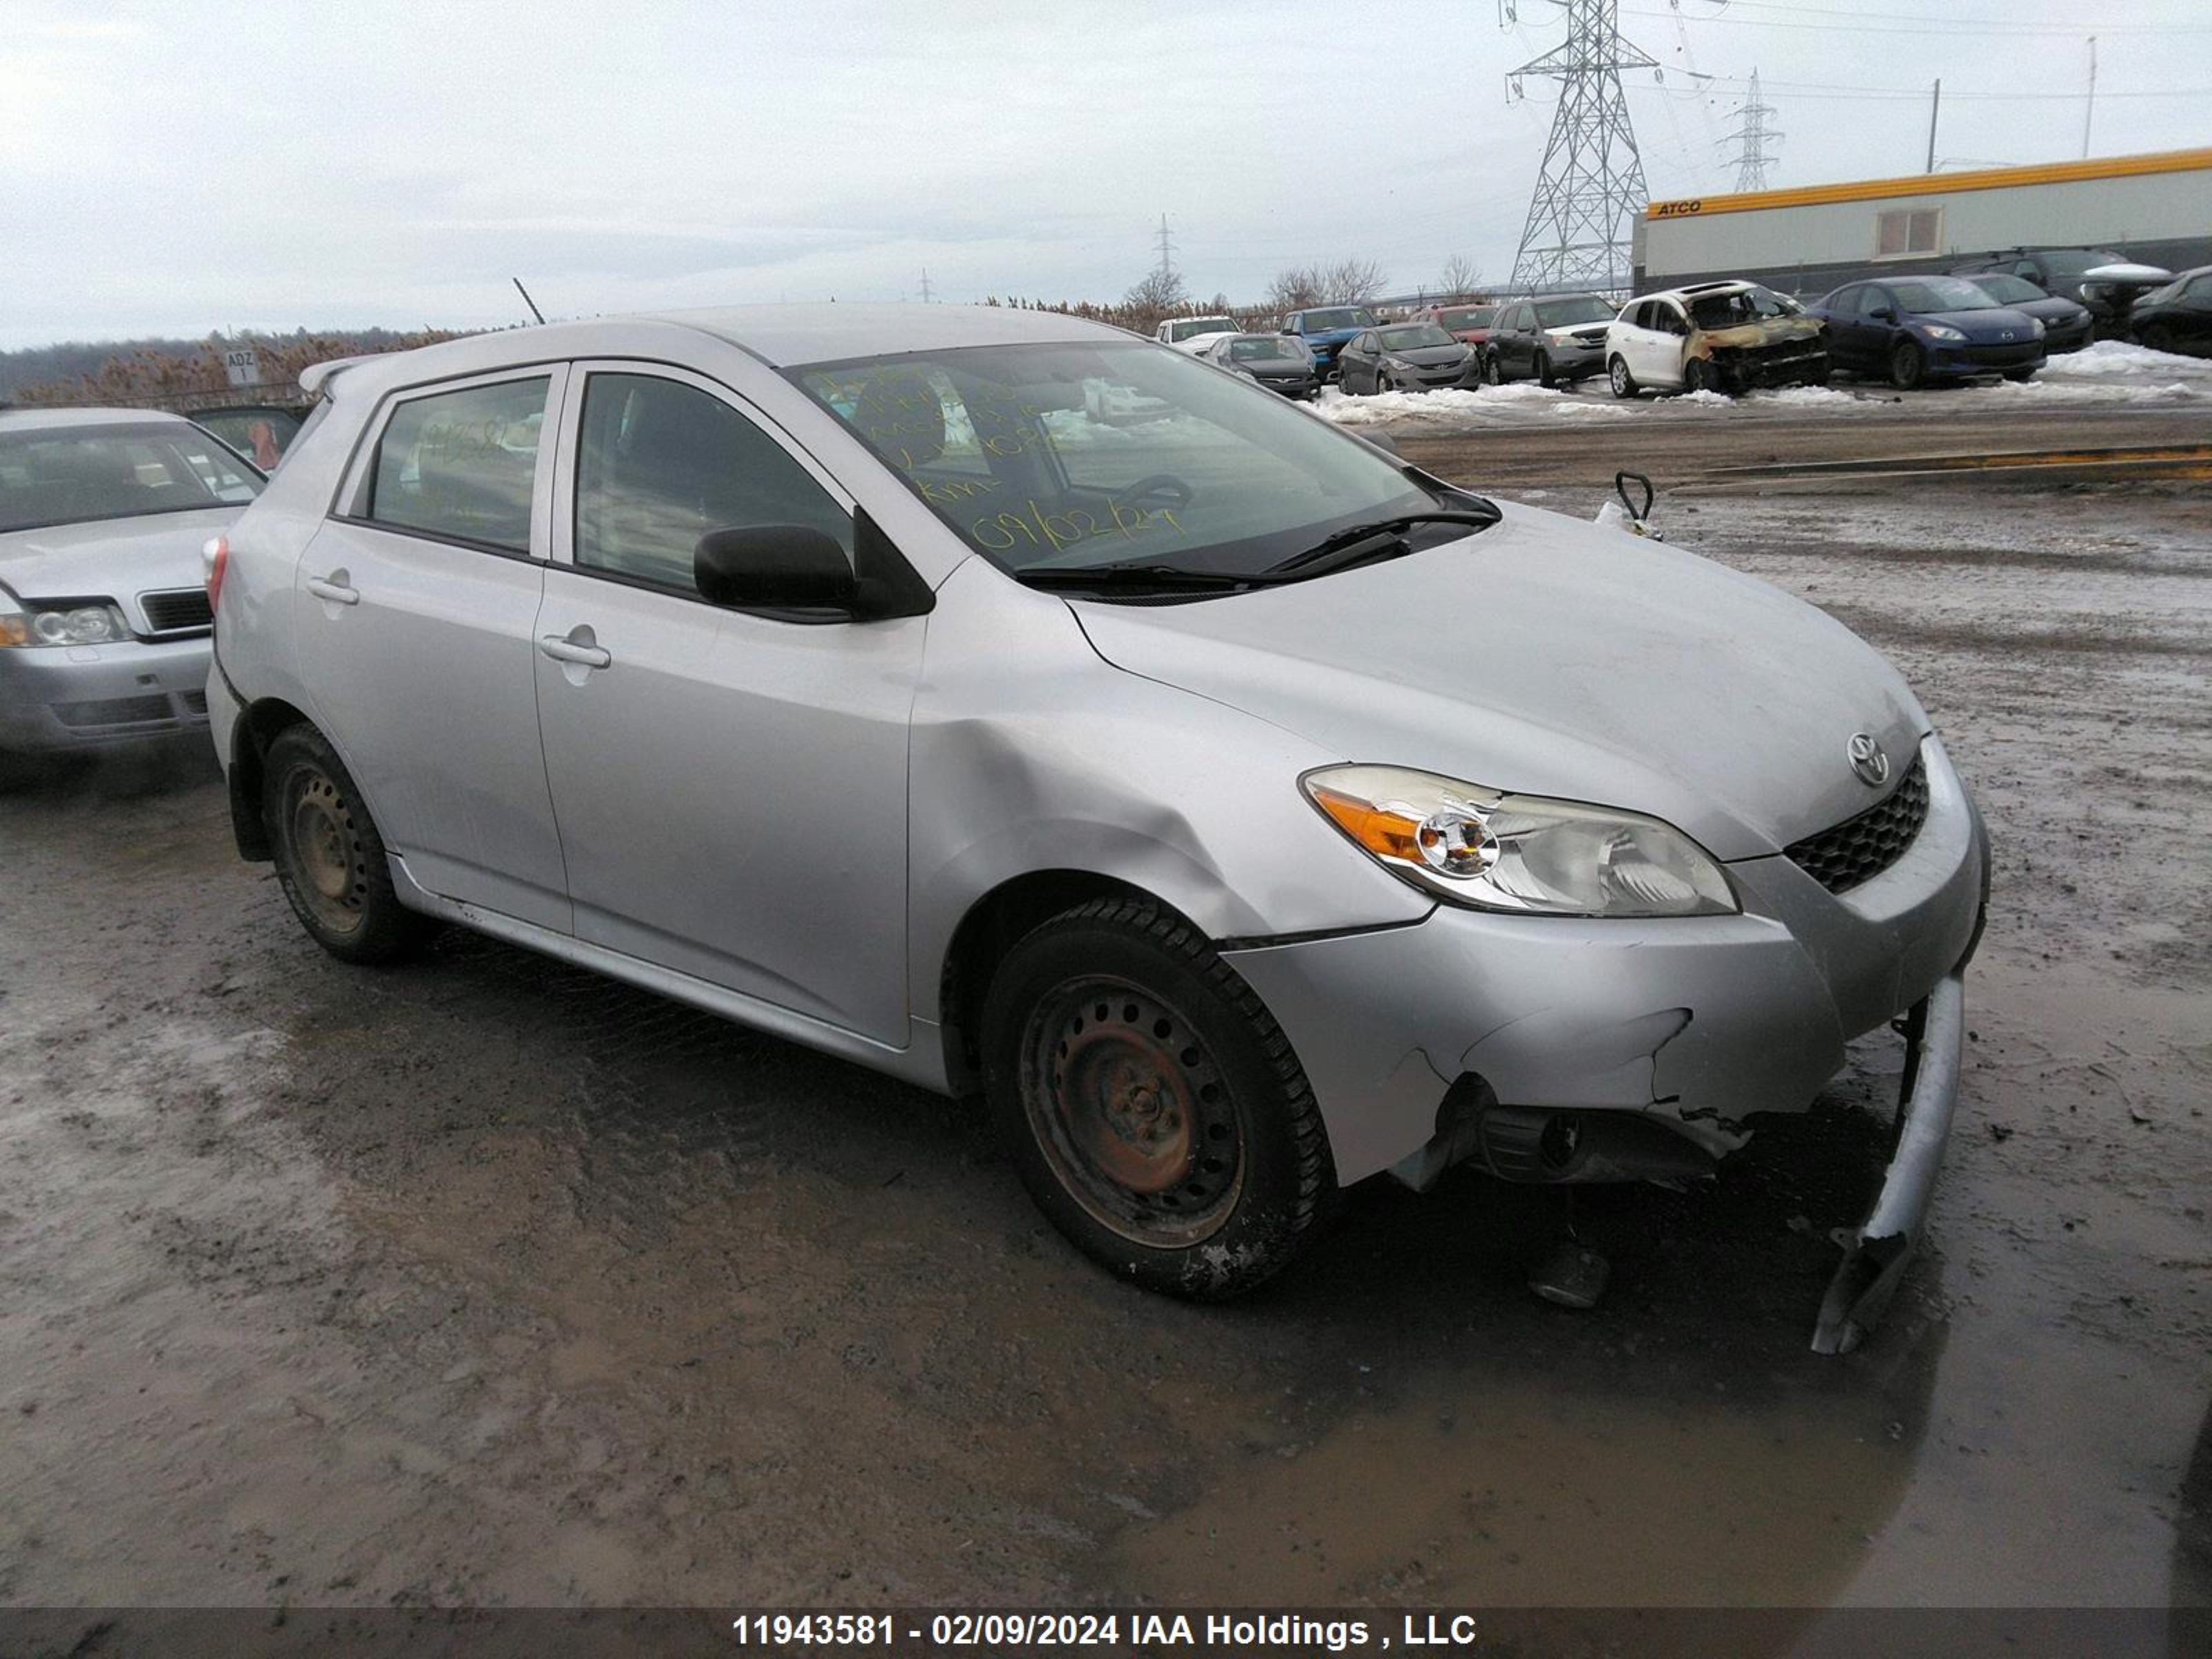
x=1592 y=182
x=927 y=294
x=1167 y=249
x=1752 y=138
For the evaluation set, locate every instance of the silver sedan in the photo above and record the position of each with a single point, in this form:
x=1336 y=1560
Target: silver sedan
x=1016 y=707
x=104 y=620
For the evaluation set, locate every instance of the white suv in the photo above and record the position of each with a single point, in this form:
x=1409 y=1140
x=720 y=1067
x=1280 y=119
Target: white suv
x=1194 y=333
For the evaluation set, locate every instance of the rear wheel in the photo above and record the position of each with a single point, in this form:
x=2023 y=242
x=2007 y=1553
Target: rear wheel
x=1152 y=1105
x=1624 y=383
x=330 y=860
x=1908 y=365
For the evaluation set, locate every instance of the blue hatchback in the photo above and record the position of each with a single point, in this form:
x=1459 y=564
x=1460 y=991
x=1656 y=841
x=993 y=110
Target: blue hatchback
x=1326 y=331
x=1914 y=329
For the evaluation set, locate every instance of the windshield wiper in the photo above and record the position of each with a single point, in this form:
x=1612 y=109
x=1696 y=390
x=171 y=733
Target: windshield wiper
x=1127 y=575
x=1345 y=547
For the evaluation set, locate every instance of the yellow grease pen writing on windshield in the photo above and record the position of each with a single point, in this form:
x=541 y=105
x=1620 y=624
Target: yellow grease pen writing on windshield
x=1066 y=529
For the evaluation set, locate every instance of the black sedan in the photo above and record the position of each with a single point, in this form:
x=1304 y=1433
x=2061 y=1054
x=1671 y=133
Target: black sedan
x=2178 y=317
x=1916 y=328
x=1279 y=362
x=1406 y=357
x=2066 y=324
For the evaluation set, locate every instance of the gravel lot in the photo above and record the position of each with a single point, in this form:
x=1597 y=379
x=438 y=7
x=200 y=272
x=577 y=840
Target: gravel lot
x=485 y=1281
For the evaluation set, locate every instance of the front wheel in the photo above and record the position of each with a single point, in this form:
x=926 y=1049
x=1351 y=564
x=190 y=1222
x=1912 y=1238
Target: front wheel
x=1908 y=365
x=1543 y=367
x=1624 y=383
x=1150 y=1103
x=329 y=859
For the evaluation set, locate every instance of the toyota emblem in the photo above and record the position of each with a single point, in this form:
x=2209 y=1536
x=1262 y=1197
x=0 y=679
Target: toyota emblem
x=1868 y=759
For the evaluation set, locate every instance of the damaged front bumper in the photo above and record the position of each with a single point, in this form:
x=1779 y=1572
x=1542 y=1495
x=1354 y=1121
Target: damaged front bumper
x=1557 y=1048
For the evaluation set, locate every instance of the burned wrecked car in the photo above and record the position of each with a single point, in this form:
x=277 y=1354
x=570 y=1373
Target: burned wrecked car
x=1714 y=336
x=1240 y=811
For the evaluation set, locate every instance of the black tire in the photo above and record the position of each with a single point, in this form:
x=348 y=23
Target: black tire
x=17 y=771
x=1186 y=1086
x=1698 y=376
x=1624 y=383
x=2158 y=336
x=1493 y=372
x=1908 y=365
x=1543 y=367
x=1383 y=383
x=2020 y=375
x=330 y=860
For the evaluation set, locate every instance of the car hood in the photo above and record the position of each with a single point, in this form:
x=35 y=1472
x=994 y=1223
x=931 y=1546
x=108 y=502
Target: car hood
x=110 y=558
x=1429 y=356
x=1766 y=332
x=2054 y=311
x=1984 y=327
x=1550 y=657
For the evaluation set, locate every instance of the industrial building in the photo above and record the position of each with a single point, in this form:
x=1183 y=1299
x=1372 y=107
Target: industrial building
x=2156 y=209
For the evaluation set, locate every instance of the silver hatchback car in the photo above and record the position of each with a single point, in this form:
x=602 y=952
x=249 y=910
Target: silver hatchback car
x=1008 y=704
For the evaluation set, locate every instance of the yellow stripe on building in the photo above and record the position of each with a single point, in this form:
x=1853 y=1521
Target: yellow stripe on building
x=1939 y=184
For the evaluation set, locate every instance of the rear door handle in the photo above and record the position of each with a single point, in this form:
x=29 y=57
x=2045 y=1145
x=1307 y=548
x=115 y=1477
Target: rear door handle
x=334 y=590
x=576 y=651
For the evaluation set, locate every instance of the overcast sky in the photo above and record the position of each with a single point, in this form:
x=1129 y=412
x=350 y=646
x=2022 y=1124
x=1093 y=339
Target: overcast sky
x=173 y=167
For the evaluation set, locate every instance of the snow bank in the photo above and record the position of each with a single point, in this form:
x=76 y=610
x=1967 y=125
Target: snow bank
x=2105 y=359
x=1455 y=410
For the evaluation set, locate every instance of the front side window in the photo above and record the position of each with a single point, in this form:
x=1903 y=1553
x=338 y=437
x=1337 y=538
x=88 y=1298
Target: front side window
x=461 y=465
x=660 y=463
x=64 y=475
x=1109 y=455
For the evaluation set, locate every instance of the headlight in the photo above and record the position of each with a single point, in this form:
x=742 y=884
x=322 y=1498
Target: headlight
x=1520 y=853
x=99 y=623
x=2036 y=323
x=1941 y=331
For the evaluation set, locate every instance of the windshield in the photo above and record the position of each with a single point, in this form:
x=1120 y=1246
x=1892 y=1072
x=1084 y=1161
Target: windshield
x=1075 y=456
x=260 y=435
x=1414 y=335
x=77 y=474
x=1748 y=305
x=1941 y=294
x=1266 y=348
x=2068 y=262
x=1190 y=327
x=1565 y=313
x=1327 y=322
x=1472 y=316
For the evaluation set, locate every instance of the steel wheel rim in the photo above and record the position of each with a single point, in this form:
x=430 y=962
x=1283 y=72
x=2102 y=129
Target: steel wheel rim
x=1132 y=1111
x=1619 y=377
x=330 y=864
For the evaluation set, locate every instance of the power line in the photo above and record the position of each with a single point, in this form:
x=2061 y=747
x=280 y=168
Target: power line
x=1961 y=24
x=1924 y=24
x=1591 y=185
x=1751 y=159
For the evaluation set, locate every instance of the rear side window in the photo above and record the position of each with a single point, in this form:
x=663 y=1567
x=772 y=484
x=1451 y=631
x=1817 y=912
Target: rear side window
x=662 y=462
x=462 y=465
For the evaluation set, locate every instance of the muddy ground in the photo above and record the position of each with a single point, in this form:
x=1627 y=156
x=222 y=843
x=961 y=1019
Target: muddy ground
x=484 y=1281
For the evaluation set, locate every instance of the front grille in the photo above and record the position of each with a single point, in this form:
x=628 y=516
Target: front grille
x=1858 y=849
x=176 y=610
x=113 y=711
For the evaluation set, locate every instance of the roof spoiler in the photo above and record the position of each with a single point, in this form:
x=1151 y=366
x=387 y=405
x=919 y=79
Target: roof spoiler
x=316 y=377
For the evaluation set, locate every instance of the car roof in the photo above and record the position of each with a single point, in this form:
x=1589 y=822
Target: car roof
x=780 y=336
x=31 y=420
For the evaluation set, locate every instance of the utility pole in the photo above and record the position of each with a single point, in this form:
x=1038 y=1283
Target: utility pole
x=926 y=295
x=1590 y=187
x=1755 y=135
x=1935 y=108
x=2090 y=113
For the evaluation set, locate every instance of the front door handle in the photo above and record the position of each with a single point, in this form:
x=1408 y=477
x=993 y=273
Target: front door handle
x=581 y=652
x=333 y=588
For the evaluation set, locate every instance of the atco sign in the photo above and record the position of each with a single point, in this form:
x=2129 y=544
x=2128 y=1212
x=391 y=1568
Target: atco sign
x=1676 y=210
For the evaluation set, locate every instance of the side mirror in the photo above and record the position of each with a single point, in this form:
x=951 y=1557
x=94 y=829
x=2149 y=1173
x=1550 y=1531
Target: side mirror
x=1883 y=314
x=774 y=566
